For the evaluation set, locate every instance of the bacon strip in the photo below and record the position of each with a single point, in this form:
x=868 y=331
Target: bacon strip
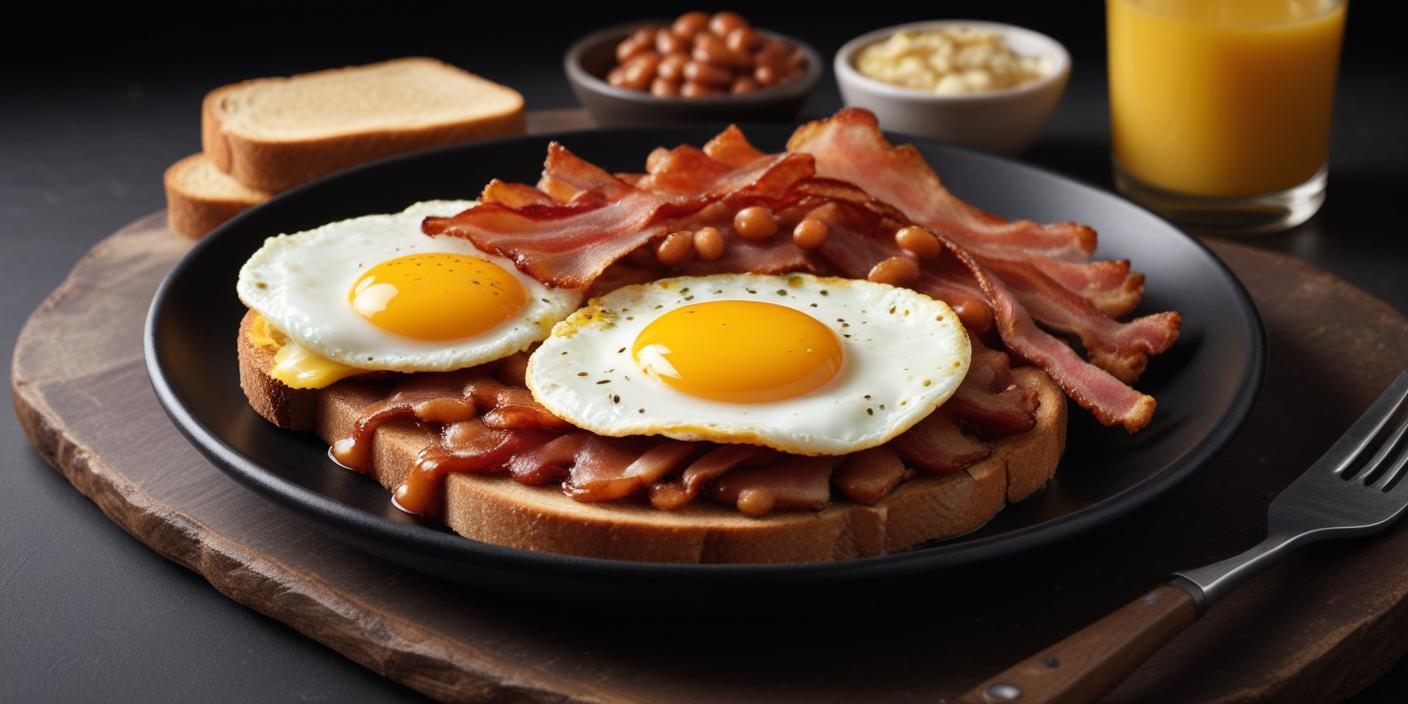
x=1122 y=349
x=548 y=461
x=613 y=468
x=1092 y=388
x=776 y=255
x=712 y=465
x=849 y=146
x=513 y=195
x=464 y=446
x=989 y=399
x=570 y=245
x=936 y=444
x=867 y=476
x=732 y=148
x=791 y=482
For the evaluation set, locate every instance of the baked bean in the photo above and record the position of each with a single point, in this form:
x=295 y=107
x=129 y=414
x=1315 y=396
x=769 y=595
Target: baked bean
x=630 y=47
x=709 y=243
x=706 y=74
x=743 y=84
x=663 y=87
x=701 y=55
x=974 y=313
x=672 y=67
x=656 y=158
x=755 y=223
x=773 y=52
x=919 y=242
x=724 y=22
x=676 y=248
x=710 y=49
x=690 y=89
x=794 y=58
x=639 y=71
x=766 y=75
x=896 y=271
x=810 y=233
x=617 y=77
x=667 y=43
x=740 y=61
x=690 y=24
x=743 y=39
x=755 y=502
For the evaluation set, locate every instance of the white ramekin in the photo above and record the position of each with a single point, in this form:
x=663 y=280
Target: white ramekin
x=1002 y=121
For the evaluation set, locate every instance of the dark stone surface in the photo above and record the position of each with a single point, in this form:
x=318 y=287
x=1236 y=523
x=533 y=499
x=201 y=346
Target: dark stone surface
x=99 y=99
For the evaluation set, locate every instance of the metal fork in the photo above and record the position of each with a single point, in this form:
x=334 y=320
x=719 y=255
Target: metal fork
x=1355 y=489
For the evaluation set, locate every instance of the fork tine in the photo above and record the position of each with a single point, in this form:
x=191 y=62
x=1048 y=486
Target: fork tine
x=1386 y=483
x=1360 y=435
x=1389 y=447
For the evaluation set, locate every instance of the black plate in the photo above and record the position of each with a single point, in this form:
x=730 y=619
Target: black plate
x=1205 y=385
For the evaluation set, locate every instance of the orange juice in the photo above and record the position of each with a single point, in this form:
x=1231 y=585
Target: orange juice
x=1223 y=98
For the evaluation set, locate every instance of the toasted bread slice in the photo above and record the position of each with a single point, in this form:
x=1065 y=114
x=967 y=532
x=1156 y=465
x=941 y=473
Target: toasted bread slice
x=499 y=510
x=275 y=133
x=199 y=196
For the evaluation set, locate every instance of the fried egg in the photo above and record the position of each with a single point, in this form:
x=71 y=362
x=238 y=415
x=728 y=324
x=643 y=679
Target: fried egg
x=375 y=293
x=808 y=365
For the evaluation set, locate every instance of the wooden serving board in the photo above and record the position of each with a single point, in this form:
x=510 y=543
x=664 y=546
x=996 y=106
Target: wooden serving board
x=1317 y=628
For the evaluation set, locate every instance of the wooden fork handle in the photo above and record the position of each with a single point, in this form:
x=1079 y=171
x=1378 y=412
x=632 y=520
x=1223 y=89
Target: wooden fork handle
x=1090 y=663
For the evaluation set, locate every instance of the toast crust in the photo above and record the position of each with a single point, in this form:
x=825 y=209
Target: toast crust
x=502 y=511
x=279 y=163
x=193 y=210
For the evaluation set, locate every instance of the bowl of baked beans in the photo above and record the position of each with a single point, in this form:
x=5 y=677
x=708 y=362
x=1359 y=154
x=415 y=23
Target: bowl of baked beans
x=699 y=66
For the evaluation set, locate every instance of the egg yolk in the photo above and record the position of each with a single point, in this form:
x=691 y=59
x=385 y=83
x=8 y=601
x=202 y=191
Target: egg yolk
x=739 y=351
x=437 y=296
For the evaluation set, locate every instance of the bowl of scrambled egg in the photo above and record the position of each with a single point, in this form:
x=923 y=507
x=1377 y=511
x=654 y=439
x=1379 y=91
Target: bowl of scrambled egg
x=983 y=85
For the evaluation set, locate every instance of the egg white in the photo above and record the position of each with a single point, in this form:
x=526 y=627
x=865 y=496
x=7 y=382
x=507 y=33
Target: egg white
x=300 y=282
x=904 y=355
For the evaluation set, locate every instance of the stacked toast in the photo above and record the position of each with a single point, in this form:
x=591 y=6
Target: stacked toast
x=267 y=135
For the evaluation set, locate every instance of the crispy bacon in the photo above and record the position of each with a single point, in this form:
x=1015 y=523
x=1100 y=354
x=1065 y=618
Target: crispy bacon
x=937 y=445
x=776 y=255
x=849 y=146
x=867 y=476
x=709 y=467
x=548 y=461
x=989 y=401
x=514 y=195
x=683 y=171
x=463 y=446
x=570 y=245
x=791 y=482
x=612 y=468
x=732 y=148
x=1094 y=389
x=1122 y=349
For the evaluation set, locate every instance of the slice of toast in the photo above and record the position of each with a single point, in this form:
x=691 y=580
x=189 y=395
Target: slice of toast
x=275 y=133
x=502 y=511
x=199 y=196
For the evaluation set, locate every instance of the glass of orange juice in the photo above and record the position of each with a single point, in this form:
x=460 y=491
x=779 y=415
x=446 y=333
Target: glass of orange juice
x=1220 y=109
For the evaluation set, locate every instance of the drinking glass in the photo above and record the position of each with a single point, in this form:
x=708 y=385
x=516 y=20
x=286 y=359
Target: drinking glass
x=1220 y=109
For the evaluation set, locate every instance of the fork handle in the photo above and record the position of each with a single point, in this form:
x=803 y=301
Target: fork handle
x=1087 y=665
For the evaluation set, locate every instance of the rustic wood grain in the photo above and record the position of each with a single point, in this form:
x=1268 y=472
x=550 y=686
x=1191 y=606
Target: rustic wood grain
x=1316 y=628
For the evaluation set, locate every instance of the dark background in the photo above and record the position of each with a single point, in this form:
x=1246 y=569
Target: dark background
x=97 y=99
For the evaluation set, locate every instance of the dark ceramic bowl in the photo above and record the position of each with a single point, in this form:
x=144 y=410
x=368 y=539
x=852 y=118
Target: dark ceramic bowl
x=588 y=61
